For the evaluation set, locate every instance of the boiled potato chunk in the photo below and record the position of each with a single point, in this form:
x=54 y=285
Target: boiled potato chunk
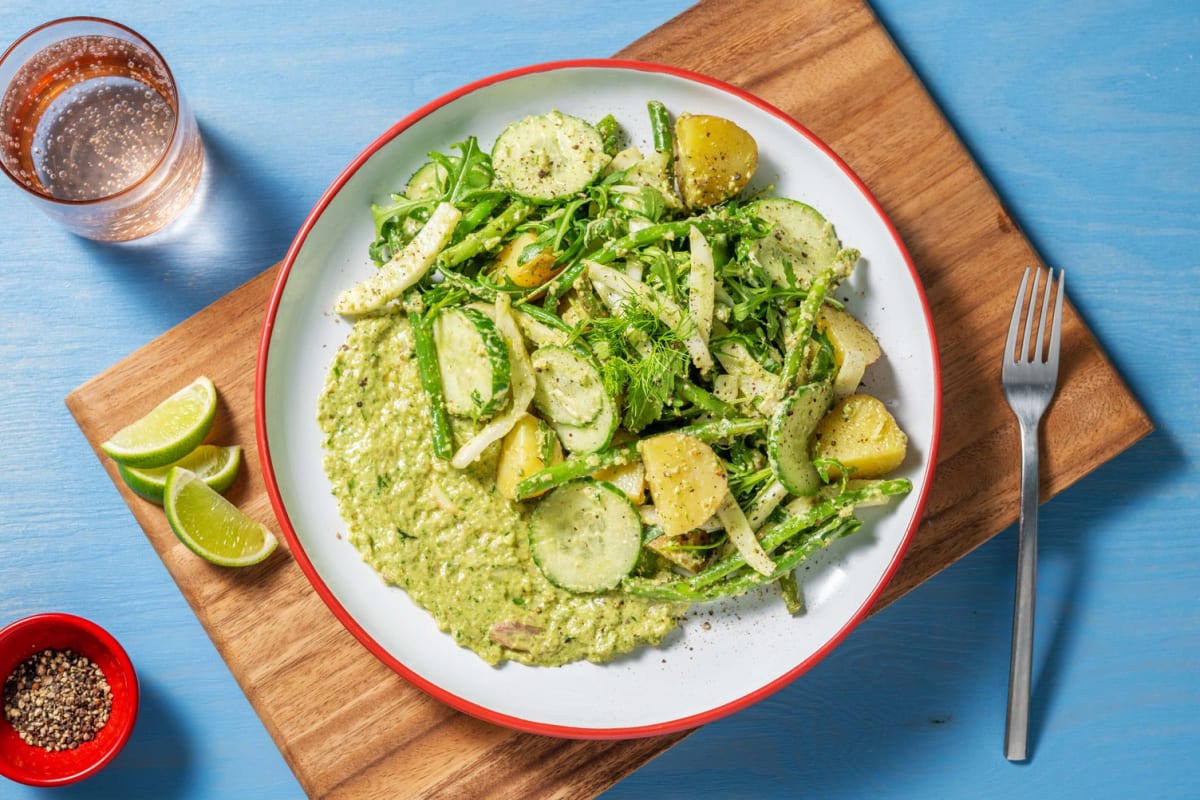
x=529 y=447
x=714 y=159
x=860 y=433
x=689 y=551
x=854 y=347
x=533 y=272
x=629 y=478
x=686 y=479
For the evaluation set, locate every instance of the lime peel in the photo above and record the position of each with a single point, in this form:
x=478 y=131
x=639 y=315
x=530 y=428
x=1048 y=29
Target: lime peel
x=170 y=431
x=217 y=466
x=211 y=526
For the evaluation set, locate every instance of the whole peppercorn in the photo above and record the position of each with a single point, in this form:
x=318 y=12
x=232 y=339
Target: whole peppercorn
x=57 y=699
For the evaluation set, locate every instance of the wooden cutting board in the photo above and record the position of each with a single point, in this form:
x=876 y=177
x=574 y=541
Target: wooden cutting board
x=832 y=66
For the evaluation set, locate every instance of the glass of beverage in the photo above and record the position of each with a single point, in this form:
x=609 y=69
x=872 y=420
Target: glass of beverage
x=94 y=129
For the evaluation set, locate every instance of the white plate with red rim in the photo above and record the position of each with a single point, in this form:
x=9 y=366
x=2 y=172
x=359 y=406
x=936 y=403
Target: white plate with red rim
x=725 y=656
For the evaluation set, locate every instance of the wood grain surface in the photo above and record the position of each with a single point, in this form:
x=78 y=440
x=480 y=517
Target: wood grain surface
x=832 y=67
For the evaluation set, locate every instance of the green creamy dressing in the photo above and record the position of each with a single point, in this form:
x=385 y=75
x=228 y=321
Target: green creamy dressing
x=446 y=537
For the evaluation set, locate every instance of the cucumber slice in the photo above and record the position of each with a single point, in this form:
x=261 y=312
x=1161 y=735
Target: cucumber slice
x=788 y=435
x=585 y=536
x=427 y=181
x=547 y=157
x=593 y=436
x=568 y=388
x=473 y=362
x=801 y=246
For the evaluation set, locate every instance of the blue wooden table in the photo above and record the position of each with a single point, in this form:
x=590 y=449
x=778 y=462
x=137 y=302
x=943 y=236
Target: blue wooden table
x=1085 y=115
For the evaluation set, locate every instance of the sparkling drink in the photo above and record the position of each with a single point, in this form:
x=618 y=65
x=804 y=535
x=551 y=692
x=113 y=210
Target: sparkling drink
x=93 y=126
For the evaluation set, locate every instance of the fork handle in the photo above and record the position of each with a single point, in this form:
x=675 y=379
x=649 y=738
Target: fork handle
x=1020 y=679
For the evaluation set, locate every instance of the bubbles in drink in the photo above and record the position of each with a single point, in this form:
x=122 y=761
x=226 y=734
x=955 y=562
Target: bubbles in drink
x=99 y=137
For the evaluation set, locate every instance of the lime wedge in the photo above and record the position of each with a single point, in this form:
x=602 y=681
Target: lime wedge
x=216 y=466
x=211 y=526
x=170 y=431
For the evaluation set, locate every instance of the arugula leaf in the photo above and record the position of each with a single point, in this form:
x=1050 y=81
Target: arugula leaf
x=468 y=175
x=464 y=180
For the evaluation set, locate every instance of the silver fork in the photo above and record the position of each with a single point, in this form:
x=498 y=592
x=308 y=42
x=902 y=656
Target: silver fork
x=1029 y=377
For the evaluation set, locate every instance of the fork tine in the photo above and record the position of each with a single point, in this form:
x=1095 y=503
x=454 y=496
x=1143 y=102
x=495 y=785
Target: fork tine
x=1027 y=342
x=1010 y=346
x=1056 y=328
x=1040 y=349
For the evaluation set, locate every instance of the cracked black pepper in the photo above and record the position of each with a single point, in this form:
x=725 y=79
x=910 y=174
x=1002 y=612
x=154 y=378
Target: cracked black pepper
x=57 y=699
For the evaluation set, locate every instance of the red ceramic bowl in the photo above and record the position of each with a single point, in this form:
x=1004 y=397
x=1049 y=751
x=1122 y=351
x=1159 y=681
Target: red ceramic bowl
x=38 y=767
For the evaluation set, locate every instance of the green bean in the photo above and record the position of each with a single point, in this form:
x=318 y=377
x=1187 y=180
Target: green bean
x=774 y=536
x=789 y=589
x=477 y=290
x=557 y=287
x=575 y=467
x=794 y=370
x=660 y=127
x=748 y=579
x=703 y=399
x=610 y=132
x=665 y=230
x=545 y=317
x=743 y=578
x=720 y=429
x=478 y=214
x=431 y=381
x=488 y=237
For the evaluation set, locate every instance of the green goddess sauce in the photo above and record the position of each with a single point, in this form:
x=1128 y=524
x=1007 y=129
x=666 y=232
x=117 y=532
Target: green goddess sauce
x=446 y=537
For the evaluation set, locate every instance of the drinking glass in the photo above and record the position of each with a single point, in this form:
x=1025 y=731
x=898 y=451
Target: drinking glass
x=94 y=129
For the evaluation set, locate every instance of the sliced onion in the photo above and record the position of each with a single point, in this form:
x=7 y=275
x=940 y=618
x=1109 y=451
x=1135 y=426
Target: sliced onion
x=702 y=284
x=743 y=538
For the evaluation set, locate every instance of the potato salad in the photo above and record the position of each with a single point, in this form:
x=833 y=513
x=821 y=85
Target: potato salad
x=648 y=355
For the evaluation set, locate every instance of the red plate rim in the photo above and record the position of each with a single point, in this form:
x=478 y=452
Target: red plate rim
x=297 y=549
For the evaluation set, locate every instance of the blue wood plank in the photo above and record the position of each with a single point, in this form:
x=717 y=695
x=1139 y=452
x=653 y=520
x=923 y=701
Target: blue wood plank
x=1085 y=117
